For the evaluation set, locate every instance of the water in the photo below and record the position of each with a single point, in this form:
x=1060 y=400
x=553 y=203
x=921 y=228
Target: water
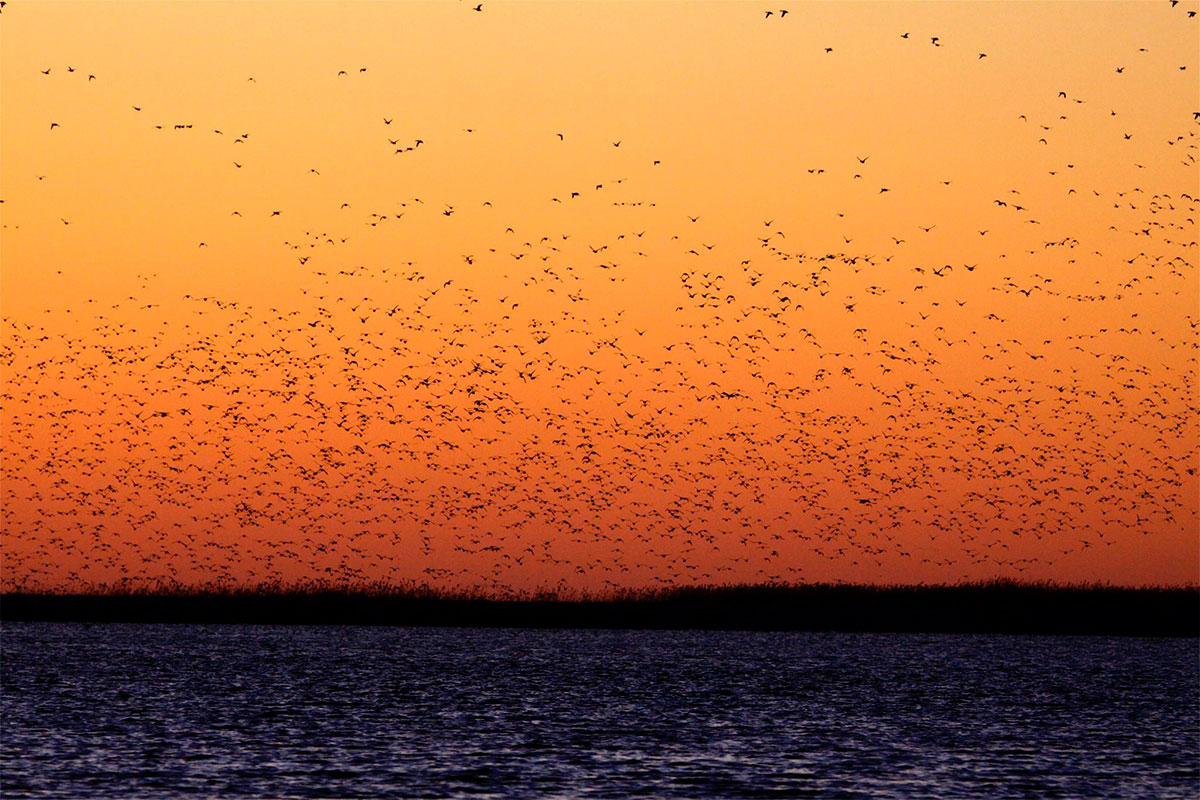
x=153 y=711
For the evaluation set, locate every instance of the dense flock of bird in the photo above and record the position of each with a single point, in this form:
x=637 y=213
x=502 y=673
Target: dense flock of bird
x=786 y=413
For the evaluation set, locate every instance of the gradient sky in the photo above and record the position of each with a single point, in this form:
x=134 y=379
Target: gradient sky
x=935 y=317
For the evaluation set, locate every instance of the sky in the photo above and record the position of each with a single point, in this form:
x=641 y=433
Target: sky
x=592 y=296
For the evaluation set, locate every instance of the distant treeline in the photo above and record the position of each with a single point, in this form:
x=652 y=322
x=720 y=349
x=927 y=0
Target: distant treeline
x=987 y=607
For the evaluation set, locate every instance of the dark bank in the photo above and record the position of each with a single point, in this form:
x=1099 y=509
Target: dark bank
x=991 y=607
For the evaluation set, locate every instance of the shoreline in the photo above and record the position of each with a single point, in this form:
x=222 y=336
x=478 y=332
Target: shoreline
x=980 y=608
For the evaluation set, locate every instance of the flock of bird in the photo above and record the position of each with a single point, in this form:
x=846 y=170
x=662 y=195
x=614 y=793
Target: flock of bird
x=784 y=412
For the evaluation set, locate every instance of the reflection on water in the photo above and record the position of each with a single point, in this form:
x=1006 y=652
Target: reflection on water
x=175 y=711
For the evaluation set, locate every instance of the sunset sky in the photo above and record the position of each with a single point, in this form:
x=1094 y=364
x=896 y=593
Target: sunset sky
x=597 y=295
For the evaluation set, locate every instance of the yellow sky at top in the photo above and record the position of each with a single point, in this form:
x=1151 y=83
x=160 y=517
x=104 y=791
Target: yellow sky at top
x=736 y=107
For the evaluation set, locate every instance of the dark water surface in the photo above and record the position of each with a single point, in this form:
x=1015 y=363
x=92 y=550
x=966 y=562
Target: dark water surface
x=144 y=711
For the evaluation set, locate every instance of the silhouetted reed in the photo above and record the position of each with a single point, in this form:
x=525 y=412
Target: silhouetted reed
x=979 y=607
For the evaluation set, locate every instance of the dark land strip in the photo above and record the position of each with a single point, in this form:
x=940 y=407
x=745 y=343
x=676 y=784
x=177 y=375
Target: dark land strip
x=994 y=607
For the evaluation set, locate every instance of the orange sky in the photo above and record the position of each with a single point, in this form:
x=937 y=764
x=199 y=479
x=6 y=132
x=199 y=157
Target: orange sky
x=794 y=386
